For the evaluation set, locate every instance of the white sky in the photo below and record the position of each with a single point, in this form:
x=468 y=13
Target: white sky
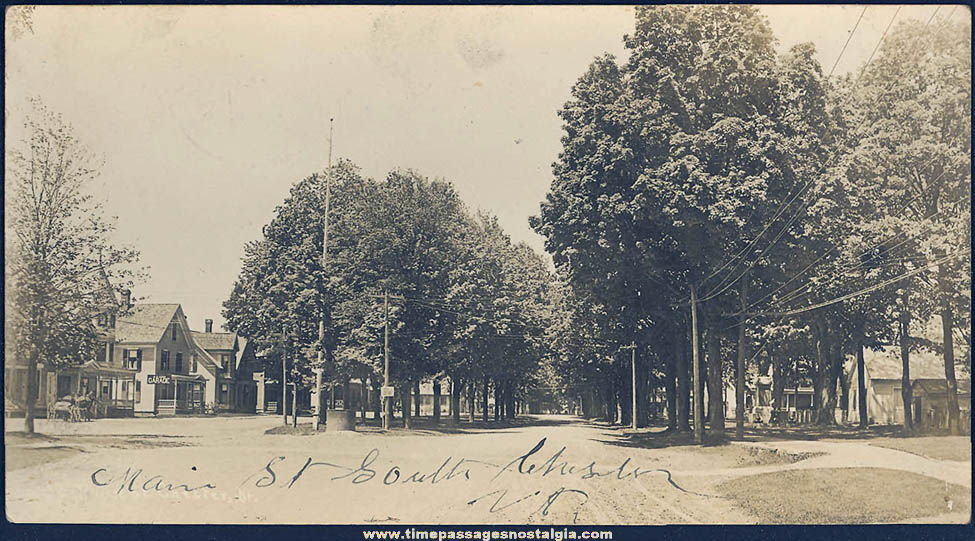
x=206 y=115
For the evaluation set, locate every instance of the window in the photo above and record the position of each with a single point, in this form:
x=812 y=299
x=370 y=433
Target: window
x=179 y=361
x=111 y=352
x=133 y=358
x=225 y=362
x=174 y=331
x=164 y=360
x=138 y=391
x=195 y=367
x=223 y=393
x=102 y=320
x=111 y=321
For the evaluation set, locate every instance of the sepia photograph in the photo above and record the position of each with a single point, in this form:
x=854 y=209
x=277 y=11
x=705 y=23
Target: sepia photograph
x=487 y=272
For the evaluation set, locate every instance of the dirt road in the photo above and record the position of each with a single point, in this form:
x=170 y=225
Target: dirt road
x=556 y=470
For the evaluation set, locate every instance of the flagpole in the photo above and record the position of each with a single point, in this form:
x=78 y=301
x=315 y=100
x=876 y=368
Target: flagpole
x=319 y=417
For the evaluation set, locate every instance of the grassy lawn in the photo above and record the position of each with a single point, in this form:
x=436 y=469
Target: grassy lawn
x=937 y=447
x=843 y=495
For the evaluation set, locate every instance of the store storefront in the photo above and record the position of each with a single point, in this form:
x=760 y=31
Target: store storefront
x=178 y=394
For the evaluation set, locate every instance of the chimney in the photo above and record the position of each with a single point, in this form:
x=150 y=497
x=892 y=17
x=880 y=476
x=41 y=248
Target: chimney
x=126 y=299
x=209 y=325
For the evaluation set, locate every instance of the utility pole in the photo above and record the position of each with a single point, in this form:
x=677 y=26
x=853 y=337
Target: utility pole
x=319 y=414
x=387 y=400
x=698 y=400
x=740 y=376
x=633 y=366
x=284 y=377
x=294 y=395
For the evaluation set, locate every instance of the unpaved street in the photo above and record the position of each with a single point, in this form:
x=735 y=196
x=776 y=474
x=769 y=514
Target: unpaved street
x=227 y=470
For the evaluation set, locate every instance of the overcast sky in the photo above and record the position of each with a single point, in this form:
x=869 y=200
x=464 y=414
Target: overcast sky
x=206 y=116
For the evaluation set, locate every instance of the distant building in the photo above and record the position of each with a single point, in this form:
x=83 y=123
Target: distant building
x=233 y=390
x=885 y=405
x=149 y=363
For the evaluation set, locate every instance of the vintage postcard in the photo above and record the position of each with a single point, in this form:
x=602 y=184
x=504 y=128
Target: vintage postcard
x=532 y=272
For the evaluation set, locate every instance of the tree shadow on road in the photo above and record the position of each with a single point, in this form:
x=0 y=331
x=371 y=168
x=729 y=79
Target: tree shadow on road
x=659 y=437
x=446 y=426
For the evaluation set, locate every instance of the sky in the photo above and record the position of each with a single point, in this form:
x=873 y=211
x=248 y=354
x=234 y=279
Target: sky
x=205 y=116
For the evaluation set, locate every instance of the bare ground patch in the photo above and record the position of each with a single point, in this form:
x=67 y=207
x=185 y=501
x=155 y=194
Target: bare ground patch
x=19 y=457
x=763 y=456
x=844 y=495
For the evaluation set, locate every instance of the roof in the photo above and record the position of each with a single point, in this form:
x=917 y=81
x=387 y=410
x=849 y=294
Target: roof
x=940 y=386
x=104 y=367
x=145 y=324
x=215 y=340
x=241 y=351
x=886 y=364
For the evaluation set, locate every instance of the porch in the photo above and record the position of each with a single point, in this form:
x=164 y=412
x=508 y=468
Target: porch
x=179 y=394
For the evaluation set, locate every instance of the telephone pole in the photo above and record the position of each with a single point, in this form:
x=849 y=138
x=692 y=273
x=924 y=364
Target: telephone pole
x=698 y=397
x=740 y=373
x=319 y=414
x=284 y=377
x=387 y=400
x=633 y=366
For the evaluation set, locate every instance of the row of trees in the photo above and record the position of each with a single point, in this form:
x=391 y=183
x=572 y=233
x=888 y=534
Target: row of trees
x=466 y=302
x=806 y=216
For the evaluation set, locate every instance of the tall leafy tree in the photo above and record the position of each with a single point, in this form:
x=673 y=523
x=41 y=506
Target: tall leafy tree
x=62 y=268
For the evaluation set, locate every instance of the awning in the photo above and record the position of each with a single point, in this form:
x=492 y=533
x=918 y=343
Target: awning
x=194 y=379
x=102 y=368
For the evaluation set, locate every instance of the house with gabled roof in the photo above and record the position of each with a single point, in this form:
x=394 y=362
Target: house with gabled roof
x=234 y=390
x=882 y=378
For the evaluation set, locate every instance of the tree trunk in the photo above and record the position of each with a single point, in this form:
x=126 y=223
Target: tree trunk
x=436 y=401
x=715 y=403
x=30 y=400
x=861 y=385
x=377 y=404
x=406 y=393
x=455 y=387
x=511 y=407
x=947 y=322
x=484 y=414
x=683 y=370
x=778 y=386
x=818 y=373
x=623 y=390
x=294 y=405
x=363 y=398
x=416 y=396
x=670 y=388
x=497 y=401
x=702 y=384
x=472 y=397
x=905 y=332
x=643 y=390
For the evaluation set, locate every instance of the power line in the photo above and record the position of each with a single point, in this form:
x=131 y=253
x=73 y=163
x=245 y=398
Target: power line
x=879 y=43
x=855 y=293
x=826 y=253
x=808 y=183
x=712 y=295
x=848 y=41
